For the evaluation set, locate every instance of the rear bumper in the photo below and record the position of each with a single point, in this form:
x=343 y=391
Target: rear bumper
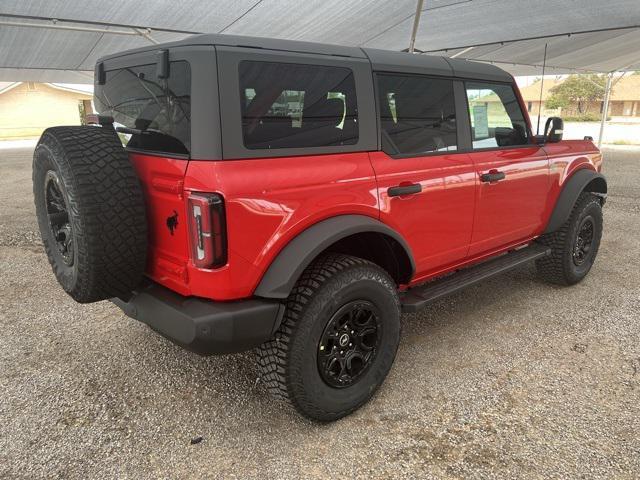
x=203 y=326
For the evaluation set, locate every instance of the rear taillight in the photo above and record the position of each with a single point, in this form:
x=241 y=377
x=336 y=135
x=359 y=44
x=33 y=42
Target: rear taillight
x=207 y=230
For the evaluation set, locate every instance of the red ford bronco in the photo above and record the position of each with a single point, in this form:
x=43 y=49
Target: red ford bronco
x=295 y=198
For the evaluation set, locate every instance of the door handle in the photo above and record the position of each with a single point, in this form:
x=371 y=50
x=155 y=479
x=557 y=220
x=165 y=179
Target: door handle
x=492 y=176
x=404 y=190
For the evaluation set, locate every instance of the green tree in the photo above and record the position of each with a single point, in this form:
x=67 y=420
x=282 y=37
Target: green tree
x=577 y=90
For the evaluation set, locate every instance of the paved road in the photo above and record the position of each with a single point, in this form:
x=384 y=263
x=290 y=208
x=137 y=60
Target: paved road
x=510 y=379
x=614 y=132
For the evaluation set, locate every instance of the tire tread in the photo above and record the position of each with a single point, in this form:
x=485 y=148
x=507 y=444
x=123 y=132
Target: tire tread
x=276 y=372
x=553 y=267
x=106 y=199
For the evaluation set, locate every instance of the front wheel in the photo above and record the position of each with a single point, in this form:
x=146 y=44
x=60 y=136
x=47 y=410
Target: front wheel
x=337 y=340
x=575 y=245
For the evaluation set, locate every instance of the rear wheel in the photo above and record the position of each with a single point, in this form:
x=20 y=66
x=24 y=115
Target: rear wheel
x=575 y=245
x=337 y=340
x=90 y=212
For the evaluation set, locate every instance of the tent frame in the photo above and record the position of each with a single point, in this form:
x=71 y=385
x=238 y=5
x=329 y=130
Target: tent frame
x=81 y=26
x=416 y=24
x=607 y=89
x=146 y=33
x=605 y=107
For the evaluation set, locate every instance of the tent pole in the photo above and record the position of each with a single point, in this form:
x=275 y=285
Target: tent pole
x=544 y=64
x=416 y=23
x=146 y=34
x=55 y=26
x=605 y=107
x=461 y=52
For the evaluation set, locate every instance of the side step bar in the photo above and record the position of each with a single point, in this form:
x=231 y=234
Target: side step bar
x=419 y=297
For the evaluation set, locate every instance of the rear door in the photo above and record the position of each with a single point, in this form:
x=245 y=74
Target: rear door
x=512 y=172
x=426 y=183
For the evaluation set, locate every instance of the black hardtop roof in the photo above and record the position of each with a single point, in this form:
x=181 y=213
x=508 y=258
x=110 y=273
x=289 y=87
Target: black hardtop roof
x=381 y=60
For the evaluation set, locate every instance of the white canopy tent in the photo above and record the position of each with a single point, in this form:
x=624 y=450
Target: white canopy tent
x=60 y=40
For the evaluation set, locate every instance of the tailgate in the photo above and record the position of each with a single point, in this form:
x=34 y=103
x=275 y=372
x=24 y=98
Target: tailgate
x=163 y=186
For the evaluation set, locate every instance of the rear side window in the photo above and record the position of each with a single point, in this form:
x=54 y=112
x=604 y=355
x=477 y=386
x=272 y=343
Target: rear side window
x=158 y=110
x=496 y=117
x=286 y=105
x=417 y=114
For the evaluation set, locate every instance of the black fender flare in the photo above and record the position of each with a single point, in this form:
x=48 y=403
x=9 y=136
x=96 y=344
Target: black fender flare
x=574 y=186
x=286 y=268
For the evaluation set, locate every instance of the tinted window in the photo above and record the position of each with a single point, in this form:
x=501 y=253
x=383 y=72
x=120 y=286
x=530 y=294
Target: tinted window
x=286 y=105
x=496 y=116
x=417 y=114
x=160 y=108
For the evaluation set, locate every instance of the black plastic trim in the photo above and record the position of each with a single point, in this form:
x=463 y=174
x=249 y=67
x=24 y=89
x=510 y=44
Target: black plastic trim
x=157 y=153
x=506 y=147
x=203 y=326
x=434 y=153
x=419 y=297
x=284 y=271
x=570 y=192
x=463 y=121
x=402 y=190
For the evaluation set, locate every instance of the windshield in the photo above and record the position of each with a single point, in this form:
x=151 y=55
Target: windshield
x=154 y=111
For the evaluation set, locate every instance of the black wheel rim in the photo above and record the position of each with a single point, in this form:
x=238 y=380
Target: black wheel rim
x=584 y=241
x=349 y=343
x=58 y=215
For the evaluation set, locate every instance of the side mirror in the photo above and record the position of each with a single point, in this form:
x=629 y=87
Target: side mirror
x=553 y=130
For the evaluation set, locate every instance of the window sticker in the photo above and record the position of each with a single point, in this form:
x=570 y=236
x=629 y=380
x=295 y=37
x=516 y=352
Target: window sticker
x=481 y=121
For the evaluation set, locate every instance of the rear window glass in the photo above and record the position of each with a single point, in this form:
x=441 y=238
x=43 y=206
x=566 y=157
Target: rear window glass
x=417 y=114
x=156 y=109
x=286 y=105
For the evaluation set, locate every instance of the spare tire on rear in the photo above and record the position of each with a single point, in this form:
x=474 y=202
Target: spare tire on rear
x=91 y=212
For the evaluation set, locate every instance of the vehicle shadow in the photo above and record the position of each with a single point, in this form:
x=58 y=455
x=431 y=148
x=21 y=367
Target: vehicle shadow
x=222 y=383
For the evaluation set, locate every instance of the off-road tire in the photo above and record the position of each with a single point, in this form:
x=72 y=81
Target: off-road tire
x=105 y=211
x=559 y=267
x=288 y=362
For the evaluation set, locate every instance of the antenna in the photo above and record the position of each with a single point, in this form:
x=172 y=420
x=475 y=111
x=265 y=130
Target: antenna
x=544 y=64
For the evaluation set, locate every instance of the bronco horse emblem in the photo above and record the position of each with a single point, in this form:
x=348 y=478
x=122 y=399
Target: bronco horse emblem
x=172 y=222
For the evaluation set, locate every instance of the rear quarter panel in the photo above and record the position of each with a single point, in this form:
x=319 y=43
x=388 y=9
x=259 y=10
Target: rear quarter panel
x=268 y=202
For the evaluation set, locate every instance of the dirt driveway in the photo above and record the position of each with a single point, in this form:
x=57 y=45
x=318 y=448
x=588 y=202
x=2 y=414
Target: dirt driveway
x=510 y=379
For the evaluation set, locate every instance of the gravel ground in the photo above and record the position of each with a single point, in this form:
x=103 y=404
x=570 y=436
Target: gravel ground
x=509 y=379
